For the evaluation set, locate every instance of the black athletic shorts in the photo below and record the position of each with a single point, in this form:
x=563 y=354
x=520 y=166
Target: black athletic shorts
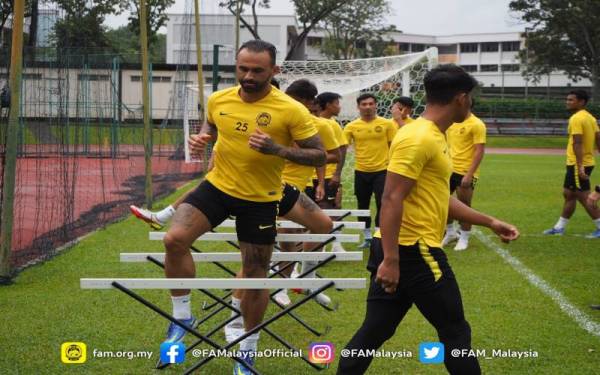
x=422 y=270
x=288 y=199
x=330 y=191
x=573 y=182
x=254 y=221
x=456 y=179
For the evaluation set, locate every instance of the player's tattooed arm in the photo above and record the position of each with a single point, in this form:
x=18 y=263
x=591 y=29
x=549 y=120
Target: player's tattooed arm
x=309 y=152
x=199 y=141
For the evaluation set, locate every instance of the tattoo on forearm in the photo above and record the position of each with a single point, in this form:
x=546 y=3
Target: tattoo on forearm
x=310 y=152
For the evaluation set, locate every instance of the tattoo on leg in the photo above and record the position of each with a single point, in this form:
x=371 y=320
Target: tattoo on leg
x=185 y=216
x=305 y=202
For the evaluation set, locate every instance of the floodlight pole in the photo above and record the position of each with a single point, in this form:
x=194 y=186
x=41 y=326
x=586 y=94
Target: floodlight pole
x=10 y=165
x=146 y=104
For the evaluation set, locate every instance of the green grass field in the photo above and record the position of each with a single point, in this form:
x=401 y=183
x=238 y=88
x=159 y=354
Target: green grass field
x=46 y=306
x=525 y=141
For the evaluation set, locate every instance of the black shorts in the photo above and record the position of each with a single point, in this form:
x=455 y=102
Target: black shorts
x=288 y=199
x=330 y=191
x=573 y=182
x=456 y=180
x=254 y=221
x=422 y=270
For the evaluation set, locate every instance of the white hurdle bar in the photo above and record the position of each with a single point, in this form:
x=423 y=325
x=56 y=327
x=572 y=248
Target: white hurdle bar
x=282 y=237
x=290 y=224
x=342 y=212
x=237 y=257
x=258 y=283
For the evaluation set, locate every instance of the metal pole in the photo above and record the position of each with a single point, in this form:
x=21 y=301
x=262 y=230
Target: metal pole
x=199 y=62
x=215 y=72
x=8 y=193
x=238 y=11
x=146 y=104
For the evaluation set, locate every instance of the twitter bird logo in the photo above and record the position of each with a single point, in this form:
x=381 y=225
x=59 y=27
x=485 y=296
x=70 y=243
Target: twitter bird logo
x=431 y=352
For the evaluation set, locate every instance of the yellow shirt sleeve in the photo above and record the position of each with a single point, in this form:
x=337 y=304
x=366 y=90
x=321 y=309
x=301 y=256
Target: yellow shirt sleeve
x=327 y=136
x=408 y=156
x=301 y=124
x=209 y=108
x=479 y=133
x=575 y=126
x=339 y=133
x=348 y=134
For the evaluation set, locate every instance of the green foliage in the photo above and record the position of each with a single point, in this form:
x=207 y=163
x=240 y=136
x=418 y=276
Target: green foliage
x=355 y=28
x=126 y=44
x=526 y=108
x=155 y=13
x=564 y=37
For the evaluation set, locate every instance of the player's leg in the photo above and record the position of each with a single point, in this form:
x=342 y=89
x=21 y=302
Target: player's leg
x=592 y=210
x=465 y=195
x=378 y=185
x=451 y=234
x=193 y=218
x=363 y=190
x=570 y=186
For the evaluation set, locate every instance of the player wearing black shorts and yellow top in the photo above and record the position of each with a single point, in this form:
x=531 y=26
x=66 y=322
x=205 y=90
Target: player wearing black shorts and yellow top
x=584 y=135
x=407 y=264
x=467 y=147
x=371 y=136
x=256 y=125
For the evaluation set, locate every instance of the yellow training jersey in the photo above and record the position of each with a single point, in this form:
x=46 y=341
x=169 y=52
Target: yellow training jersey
x=339 y=136
x=240 y=171
x=407 y=121
x=371 y=142
x=462 y=138
x=586 y=125
x=420 y=152
x=300 y=175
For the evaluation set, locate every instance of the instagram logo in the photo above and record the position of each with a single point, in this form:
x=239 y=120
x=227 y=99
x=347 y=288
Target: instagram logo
x=321 y=352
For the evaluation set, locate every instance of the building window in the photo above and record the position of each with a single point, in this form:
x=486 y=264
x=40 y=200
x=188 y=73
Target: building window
x=404 y=47
x=469 y=68
x=447 y=50
x=510 y=67
x=469 y=47
x=32 y=76
x=489 y=68
x=489 y=47
x=511 y=46
x=314 y=41
x=418 y=47
x=155 y=79
x=92 y=77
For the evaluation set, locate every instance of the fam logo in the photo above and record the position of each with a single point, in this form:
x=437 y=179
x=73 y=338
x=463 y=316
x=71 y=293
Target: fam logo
x=73 y=352
x=378 y=129
x=263 y=119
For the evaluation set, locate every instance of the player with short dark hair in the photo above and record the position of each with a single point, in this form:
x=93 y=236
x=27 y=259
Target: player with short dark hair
x=402 y=108
x=584 y=134
x=406 y=262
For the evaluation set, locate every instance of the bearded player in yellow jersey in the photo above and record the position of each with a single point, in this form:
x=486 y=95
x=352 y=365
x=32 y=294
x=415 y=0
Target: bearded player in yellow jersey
x=256 y=126
x=584 y=134
x=371 y=136
x=402 y=108
x=467 y=147
x=407 y=263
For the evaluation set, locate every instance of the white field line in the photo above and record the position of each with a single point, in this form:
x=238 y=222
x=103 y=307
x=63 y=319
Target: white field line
x=567 y=307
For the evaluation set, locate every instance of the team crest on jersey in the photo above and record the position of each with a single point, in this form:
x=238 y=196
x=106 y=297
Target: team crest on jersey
x=378 y=129
x=263 y=119
x=462 y=131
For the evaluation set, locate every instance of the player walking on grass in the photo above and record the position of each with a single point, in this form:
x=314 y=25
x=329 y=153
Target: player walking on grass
x=583 y=134
x=256 y=126
x=466 y=141
x=407 y=263
x=371 y=136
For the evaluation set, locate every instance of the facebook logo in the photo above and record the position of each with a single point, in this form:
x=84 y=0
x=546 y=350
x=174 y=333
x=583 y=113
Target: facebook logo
x=171 y=352
x=431 y=352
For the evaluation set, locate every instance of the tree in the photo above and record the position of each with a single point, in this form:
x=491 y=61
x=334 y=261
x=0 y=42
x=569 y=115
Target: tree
x=82 y=30
x=126 y=44
x=232 y=6
x=156 y=13
x=353 y=27
x=563 y=37
x=6 y=10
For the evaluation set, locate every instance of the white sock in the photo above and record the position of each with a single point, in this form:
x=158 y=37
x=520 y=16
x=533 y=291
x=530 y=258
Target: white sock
x=306 y=265
x=464 y=235
x=182 y=307
x=367 y=233
x=450 y=229
x=165 y=214
x=561 y=223
x=235 y=302
x=250 y=343
x=597 y=222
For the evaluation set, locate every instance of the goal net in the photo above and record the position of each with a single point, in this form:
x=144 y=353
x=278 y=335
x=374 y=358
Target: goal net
x=386 y=77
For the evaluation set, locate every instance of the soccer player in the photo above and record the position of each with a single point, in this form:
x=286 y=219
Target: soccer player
x=402 y=108
x=256 y=126
x=583 y=133
x=371 y=136
x=593 y=200
x=467 y=148
x=407 y=263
